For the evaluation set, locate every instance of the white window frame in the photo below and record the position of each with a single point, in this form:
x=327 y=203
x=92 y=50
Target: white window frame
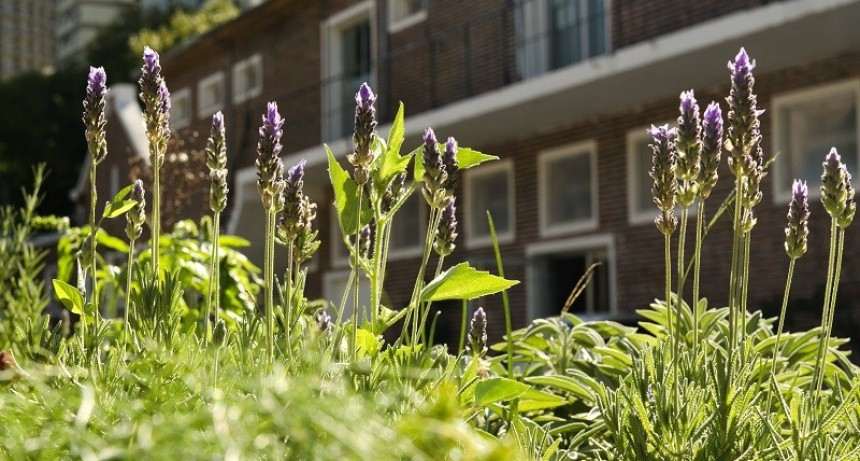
x=478 y=241
x=331 y=54
x=782 y=185
x=207 y=108
x=396 y=24
x=181 y=122
x=532 y=42
x=240 y=94
x=416 y=250
x=545 y=160
x=634 y=216
x=534 y=297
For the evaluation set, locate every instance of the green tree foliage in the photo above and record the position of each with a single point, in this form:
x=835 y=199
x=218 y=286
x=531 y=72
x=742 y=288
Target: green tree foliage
x=185 y=25
x=111 y=48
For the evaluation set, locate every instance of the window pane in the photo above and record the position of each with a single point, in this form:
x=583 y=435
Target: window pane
x=811 y=128
x=564 y=43
x=490 y=192
x=642 y=167
x=355 y=61
x=569 y=189
x=407 y=224
x=596 y=27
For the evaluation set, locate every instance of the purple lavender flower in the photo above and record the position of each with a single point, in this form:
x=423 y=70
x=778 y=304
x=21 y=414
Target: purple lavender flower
x=688 y=149
x=291 y=218
x=449 y=159
x=164 y=94
x=323 y=322
x=216 y=160
x=797 y=230
x=393 y=192
x=270 y=170
x=435 y=175
x=478 y=332
x=837 y=193
x=712 y=142
x=365 y=127
x=446 y=233
x=156 y=99
x=663 y=174
x=94 y=113
x=151 y=61
x=744 y=134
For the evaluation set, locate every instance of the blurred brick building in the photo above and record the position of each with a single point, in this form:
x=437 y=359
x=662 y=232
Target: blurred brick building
x=562 y=91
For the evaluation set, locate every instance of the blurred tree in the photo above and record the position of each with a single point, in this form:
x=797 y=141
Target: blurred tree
x=112 y=49
x=184 y=25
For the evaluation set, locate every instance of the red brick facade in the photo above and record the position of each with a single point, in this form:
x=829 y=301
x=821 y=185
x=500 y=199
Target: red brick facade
x=466 y=49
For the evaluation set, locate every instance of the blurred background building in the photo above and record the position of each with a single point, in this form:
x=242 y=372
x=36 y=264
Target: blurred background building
x=26 y=36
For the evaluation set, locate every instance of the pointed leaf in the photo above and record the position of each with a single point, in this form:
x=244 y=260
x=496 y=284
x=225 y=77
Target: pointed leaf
x=392 y=162
x=106 y=240
x=346 y=197
x=367 y=343
x=119 y=205
x=466 y=158
x=498 y=390
x=233 y=241
x=464 y=282
x=69 y=296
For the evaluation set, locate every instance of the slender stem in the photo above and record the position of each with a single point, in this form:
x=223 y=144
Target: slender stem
x=93 y=233
x=463 y=320
x=269 y=282
x=745 y=265
x=819 y=362
x=212 y=264
x=779 y=328
x=672 y=334
x=426 y=311
x=682 y=237
x=506 y=305
x=217 y=258
x=128 y=278
x=697 y=263
x=419 y=279
x=735 y=275
x=156 y=214
x=288 y=326
x=375 y=269
x=356 y=281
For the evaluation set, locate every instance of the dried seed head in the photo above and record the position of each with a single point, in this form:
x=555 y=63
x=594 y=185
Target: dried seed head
x=478 y=333
x=446 y=233
x=216 y=160
x=94 y=113
x=270 y=170
x=663 y=174
x=797 y=230
x=712 y=144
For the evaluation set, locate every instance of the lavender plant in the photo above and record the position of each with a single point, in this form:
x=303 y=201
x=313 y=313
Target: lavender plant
x=216 y=160
x=95 y=122
x=133 y=230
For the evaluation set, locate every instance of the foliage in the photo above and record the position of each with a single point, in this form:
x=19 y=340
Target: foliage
x=184 y=25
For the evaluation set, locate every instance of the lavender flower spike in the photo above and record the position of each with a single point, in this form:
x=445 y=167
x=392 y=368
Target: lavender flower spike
x=449 y=159
x=797 y=230
x=94 y=113
x=435 y=175
x=688 y=149
x=663 y=174
x=712 y=142
x=291 y=219
x=156 y=98
x=446 y=233
x=216 y=160
x=478 y=332
x=837 y=193
x=743 y=135
x=270 y=170
x=137 y=215
x=365 y=127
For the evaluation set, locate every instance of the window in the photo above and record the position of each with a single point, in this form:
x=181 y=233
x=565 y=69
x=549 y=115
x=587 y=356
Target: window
x=336 y=284
x=806 y=124
x=568 y=188
x=347 y=61
x=210 y=90
x=552 y=34
x=247 y=78
x=405 y=13
x=640 y=206
x=554 y=268
x=489 y=188
x=339 y=253
x=180 y=109
x=408 y=226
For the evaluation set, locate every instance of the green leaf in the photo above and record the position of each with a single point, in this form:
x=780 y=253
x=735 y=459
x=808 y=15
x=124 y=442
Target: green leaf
x=119 y=205
x=498 y=390
x=69 y=296
x=109 y=241
x=464 y=282
x=233 y=241
x=368 y=344
x=392 y=162
x=346 y=197
x=534 y=399
x=564 y=383
x=466 y=158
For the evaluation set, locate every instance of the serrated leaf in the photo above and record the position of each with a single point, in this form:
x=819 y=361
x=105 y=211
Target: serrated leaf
x=466 y=158
x=346 y=197
x=498 y=390
x=69 y=296
x=367 y=343
x=392 y=162
x=464 y=282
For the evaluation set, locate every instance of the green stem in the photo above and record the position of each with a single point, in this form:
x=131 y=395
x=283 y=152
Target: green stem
x=288 y=326
x=672 y=333
x=822 y=345
x=93 y=232
x=697 y=263
x=356 y=281
x=745 y=265
x=375 y=269
x=216 y=226
x=212 y=263
x=419 y=280
x=156 y=214
x=506 y=305
x=426 y=311
x=128 y=292
x=735 y=276
x=463 y=320
x=682 y=238
x=268 y=272
x=780 y=327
